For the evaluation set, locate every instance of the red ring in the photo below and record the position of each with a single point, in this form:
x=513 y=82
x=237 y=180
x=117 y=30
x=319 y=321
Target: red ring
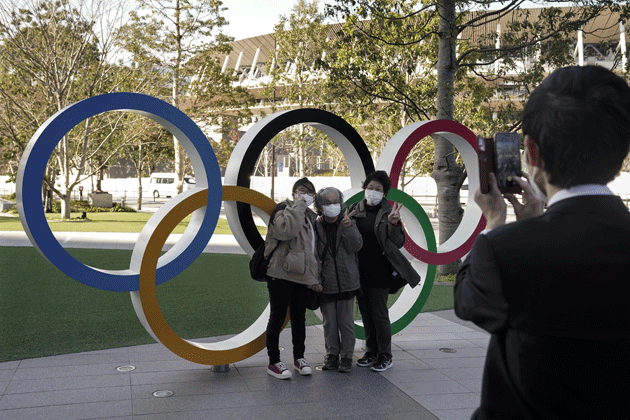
x=432 y=127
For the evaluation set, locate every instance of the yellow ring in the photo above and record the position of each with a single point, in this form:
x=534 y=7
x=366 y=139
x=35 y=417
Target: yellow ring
x=202 y=353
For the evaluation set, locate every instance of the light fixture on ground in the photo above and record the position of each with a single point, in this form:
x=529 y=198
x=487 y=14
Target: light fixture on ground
x=125 y=368
x=162 y=393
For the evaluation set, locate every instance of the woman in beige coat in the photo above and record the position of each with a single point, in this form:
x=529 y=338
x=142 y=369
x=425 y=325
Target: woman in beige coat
x=293 y=268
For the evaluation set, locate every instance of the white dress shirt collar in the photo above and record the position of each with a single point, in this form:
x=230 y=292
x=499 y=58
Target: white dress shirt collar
x=579 y=190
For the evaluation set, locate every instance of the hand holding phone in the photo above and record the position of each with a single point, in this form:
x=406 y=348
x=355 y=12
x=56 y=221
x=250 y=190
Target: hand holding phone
x=500 y=155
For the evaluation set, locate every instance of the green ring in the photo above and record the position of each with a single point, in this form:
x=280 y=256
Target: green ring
x=417 y=210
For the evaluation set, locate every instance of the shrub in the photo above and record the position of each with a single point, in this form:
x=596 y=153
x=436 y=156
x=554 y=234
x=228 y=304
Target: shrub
x=84 y=206
x=119 y=208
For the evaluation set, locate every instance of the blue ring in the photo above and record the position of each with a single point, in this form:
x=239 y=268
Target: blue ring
x=39 y=150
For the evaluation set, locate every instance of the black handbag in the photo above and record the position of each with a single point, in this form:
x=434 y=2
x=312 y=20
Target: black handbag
x=258 y=265
x=396 y=282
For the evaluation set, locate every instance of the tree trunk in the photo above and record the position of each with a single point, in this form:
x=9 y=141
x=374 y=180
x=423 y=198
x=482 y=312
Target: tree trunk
x=99 y=174
x=179 y=150
x=139 y=172
x=446 y=171
x=301 y=155
x=65 y=205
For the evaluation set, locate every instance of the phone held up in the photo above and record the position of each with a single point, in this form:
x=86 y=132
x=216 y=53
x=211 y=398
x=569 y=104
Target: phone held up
x=500 y=155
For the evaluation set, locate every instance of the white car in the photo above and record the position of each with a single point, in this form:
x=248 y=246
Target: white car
x=162 y=184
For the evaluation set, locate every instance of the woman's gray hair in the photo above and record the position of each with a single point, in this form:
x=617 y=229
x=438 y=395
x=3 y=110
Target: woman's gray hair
x=319 y=198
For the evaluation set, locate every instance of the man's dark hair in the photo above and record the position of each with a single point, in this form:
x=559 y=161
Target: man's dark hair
x=379 y=176
x=579 y=117
x=304 y=182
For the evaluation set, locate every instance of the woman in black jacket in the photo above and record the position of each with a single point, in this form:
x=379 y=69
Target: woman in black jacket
x=380 y=256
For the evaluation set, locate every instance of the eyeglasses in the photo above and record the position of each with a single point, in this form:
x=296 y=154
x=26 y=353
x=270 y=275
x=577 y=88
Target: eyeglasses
x=305 y=191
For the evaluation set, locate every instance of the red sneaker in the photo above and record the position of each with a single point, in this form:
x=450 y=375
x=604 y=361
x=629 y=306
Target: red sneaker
x=301 y=365
x=279 y=370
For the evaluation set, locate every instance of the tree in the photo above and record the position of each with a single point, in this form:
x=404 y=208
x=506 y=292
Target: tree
x=148 y=146
x=183 y=38
x=430 y=58
x=296 y=73
x=52 y=54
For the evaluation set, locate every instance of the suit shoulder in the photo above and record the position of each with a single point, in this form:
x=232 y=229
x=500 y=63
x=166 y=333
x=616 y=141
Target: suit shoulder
x=514 y=228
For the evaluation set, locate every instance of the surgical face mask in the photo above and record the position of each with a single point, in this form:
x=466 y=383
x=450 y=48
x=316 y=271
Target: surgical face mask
x=332 y=210
x=308 y=198
x=373 y=197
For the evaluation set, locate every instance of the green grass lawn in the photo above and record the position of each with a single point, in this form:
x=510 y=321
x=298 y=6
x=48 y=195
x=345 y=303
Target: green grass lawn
x=43 y=312
x=107 y=222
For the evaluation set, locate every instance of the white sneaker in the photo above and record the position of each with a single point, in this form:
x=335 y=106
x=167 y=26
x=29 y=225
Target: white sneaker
x=301 y=365
x=279 y=370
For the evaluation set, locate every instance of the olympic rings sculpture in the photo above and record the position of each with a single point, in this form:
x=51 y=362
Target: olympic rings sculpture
x=148 y=269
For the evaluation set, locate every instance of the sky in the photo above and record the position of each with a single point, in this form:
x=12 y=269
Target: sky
x=249 y=18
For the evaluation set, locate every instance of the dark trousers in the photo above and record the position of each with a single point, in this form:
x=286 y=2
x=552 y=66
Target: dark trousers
x=283 y=295
x=378 y=330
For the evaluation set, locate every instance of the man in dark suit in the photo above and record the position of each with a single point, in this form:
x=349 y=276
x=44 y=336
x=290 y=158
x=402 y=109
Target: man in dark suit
x=553 y=288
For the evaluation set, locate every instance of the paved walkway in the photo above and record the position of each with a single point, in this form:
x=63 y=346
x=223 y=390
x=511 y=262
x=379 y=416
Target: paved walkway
x=438 y=362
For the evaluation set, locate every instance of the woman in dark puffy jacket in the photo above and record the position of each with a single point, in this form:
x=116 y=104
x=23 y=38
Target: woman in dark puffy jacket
x=338 y=241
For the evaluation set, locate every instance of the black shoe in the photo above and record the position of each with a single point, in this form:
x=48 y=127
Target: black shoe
x=345 y=365
x=383 y=363
x=330 y=362
x=368 y=359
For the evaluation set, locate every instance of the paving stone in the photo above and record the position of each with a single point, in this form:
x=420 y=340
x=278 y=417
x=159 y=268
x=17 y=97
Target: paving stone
x=167 y=377
x=6 y=375
x=449 y=401
x=66 y=383
x=472 y=384
x=432 y=388
x=481 y=342
x=413 y=345
x=9 y=365
x=412 y=415
x=208 y=388
x=411 y=364
x=152 y=356
x=428 y=336
x=472 y=335
x=402 y=376
x=76 y=360
x=86 y=385
x=455 y=414
x=71 y=411
x=463 y=373
x=74 y=396
x=66 y=371
x=178 y=403
x=455 y=362
x=437 y=354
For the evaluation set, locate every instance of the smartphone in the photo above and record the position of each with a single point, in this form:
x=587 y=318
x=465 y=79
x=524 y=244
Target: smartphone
x=500 y=155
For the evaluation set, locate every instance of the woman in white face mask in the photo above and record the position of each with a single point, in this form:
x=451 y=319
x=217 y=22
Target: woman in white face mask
x=293 y=267
x=381 y=267
x=338 y=241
